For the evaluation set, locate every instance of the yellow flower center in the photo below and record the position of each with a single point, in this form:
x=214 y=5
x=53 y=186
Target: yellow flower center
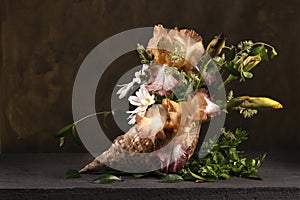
x=148 y=100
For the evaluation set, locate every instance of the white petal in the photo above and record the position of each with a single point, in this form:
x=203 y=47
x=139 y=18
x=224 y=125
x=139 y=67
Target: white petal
x=132 y=120
x=144 y=92
x=138 y=94
x=122 y=92
x=138 y=109
x=137 y=80
x=212 y=109
x=138 y=73
x=124 y=89
x=134 y=101
x=152 y=101
x=144 y=68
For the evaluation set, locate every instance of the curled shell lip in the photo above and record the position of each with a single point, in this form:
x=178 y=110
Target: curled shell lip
x=152 y=123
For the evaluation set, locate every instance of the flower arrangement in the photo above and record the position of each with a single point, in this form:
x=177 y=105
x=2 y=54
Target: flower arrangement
x=178 y=91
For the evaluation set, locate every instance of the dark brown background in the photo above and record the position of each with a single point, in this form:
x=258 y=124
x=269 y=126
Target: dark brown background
x=44 y=42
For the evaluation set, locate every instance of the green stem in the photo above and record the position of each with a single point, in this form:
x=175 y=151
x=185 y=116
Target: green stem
x=198 y=84
x=91 y=115
x=206 y=65
x=226 y=47
x=228 y=80
x=262 y=43
x=203 y=69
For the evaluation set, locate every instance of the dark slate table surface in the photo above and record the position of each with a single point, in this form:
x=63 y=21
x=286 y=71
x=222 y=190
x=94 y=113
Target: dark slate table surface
x=40 y=176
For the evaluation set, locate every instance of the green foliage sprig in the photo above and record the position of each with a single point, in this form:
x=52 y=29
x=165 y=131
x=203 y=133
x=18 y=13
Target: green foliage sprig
x=223 y=160
x=145 y=57
x=70 y=130
x=239 y=61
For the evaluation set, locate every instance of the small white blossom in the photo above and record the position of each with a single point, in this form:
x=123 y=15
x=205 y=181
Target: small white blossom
x=245 y=45
x=139 y=75
x=123 y=91
x=142 y=100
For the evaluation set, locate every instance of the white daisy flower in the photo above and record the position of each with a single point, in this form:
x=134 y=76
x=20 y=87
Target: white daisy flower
x=142 y=100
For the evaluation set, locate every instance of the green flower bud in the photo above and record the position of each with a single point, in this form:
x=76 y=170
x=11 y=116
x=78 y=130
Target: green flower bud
x=215 y=46
x=250 y=62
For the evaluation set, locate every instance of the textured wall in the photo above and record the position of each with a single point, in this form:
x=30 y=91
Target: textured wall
x=44 y=42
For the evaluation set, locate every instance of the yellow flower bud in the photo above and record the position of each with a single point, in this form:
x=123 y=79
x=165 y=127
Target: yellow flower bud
x=259 y=103
x=250 y=62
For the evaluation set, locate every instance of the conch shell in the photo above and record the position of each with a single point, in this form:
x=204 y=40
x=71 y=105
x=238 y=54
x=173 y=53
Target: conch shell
x=170 y=130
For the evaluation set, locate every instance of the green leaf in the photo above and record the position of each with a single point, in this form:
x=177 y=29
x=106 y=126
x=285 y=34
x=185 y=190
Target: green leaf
x=247 y=74
x=231 y=54
x=143 y=54
x=106 y=178
x=72 y=173
x=224 y=176
x=64 y=131
x=74 y=136
x=196 y=176
x=261 y=50
x=242 y=79
x=273 y=53
x=61 y=141
x=172 y=178
x=232 y=70
x=188 y=177
x=257 y=50
x=139 y=175
x=264 y=55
